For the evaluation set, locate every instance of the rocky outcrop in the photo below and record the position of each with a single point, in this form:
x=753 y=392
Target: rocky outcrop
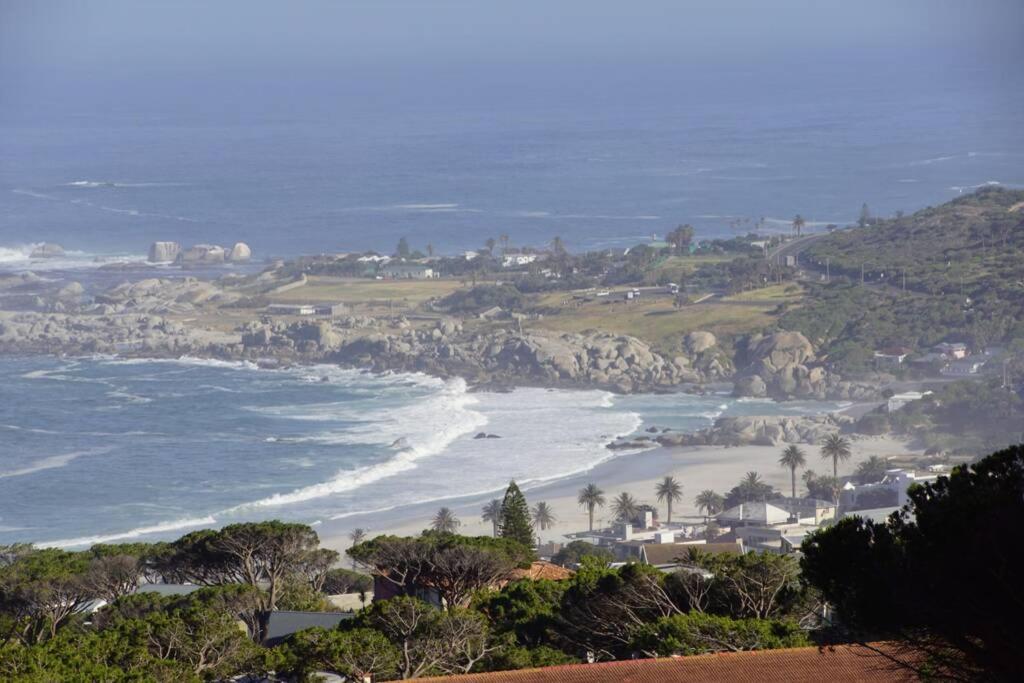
x=47 y=250
x=240 y=253
x=761 y=431
x=783 y=365
x=202 y=255
x=161 y=296
x=164 y=252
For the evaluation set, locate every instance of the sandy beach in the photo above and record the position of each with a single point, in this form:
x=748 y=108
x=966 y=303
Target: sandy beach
x=697 y=468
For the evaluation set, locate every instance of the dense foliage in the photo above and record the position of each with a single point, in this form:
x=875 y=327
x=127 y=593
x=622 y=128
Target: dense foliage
x=941 y=575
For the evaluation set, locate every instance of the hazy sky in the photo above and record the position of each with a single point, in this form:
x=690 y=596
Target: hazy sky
x=148 y=34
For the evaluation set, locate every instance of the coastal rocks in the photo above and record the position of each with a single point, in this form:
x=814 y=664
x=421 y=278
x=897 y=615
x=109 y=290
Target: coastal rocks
x=162 y=296
x=761 y=431
x=72 y=290
x=164 y=252
x=779 y=365
x=202 y=255
x=698 y=342
x=240 y=253
x=47 y=250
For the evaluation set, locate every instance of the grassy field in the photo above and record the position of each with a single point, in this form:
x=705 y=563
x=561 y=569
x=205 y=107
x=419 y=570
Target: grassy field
x=323 y=290
x=657 y=322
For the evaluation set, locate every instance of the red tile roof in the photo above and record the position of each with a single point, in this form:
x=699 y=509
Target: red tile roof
x=542 y=569
x=797 y=665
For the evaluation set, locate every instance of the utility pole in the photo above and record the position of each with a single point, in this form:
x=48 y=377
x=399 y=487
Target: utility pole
x=862 y=273
x=904 y=279
x=828 y=277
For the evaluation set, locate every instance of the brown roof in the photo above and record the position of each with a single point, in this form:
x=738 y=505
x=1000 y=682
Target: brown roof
x=797 y=665
x=542 y=569
x=667 y=553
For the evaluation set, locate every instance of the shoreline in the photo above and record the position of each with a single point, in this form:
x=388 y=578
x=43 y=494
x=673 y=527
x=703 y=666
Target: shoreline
x=696 y=467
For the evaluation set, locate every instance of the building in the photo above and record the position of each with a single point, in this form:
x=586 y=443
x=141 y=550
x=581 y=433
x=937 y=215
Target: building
x=897 y=401
x=331 y=310
x=668 y=556
x=890 y=492
x=954 y=351
x=963 y=367
x=848 y=662
x=291 y=309
x=282 y=624
x=807 y=510
x=892 y=356
x=753 y=514
x=512 y=260
x=408 y=271
x=776 y=538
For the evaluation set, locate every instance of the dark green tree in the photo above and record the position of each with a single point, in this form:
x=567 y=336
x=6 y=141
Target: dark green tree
x=942 y=575
x=515 y=516
x=403 y=250
x=793 y=458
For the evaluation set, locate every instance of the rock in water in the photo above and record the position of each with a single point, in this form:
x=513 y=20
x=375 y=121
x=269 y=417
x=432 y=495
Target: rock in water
x=164 y=252
x=47 y=250
x=240 y=253
x=202 y=254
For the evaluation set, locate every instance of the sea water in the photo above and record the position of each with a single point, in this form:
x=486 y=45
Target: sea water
x=104 y=449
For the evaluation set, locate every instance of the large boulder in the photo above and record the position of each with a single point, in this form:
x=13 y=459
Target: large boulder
x=240 y=253
x=780 y=365
x=699 y=342
x=47 y=250
x=164 y=252
x=72 y=290
x=202 y=254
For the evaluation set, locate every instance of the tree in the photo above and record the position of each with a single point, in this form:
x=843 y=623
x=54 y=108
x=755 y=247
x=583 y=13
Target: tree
x=751 y=488
x=356 y=653
x=574 y=552
x=430 y=641
x=669 y=490
x=798 y=224
x=40 y=590
x=558 y=246
x=357 y=536
x=490 y=243
x=590 y=497
x=835 y=448
x=403 y=248
x=430 y=250
x=864 y=219
x=492 y=513
x=515 y=516
x=445 y=521
x=872 y=469
x=695 y=633
x=625 y=507
x=822 y=488
x=709 y=502
x=793 y=458
x=112 y=576
x=543 y=516
x=886 y=579
x=680 y=238
x=339 y=581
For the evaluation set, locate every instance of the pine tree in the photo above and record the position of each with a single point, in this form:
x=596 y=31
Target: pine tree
x=515 y=516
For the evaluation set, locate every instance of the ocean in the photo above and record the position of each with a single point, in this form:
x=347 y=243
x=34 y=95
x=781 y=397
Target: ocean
x=104 y=450
x=602 y=157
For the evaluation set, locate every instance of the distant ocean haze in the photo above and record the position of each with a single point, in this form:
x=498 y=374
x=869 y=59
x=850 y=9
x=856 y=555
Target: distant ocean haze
x=597 y=163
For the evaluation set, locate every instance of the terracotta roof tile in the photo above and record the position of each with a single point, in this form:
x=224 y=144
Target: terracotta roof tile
x=797 y=665
x=541 y=569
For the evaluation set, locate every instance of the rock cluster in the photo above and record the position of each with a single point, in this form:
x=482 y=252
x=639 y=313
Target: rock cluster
x=783 y=365
x=761 y=430
x=47 y=250
x=199 y=254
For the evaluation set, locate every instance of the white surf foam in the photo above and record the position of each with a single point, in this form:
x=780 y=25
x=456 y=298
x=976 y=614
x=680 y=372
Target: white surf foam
x=49 y=463
x=161 y=528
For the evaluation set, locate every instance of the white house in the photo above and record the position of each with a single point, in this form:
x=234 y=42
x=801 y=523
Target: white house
x=895 y=481
x=510 y=260
x=408 y=271
x=897 y=401
x=753 y=513
x=965 y=366
x=955 y=351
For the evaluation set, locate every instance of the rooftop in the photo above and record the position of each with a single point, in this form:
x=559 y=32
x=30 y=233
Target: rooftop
x=796 y=665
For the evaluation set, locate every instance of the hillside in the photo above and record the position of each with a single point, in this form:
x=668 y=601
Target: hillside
x=964 y=269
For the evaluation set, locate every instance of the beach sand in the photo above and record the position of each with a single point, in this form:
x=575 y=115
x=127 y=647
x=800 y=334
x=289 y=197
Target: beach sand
x=696 y=468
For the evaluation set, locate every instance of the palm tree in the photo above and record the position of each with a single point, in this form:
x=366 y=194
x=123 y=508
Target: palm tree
x=445 y=521
x=542 y=515
x=836 y=448
x=490 y=245
x=624 y=507
x=798 y=224
x=591 y=497
x=670 y=491
x=793 y=458
x=872 y=469
x=492 y=513
x=709 y=502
